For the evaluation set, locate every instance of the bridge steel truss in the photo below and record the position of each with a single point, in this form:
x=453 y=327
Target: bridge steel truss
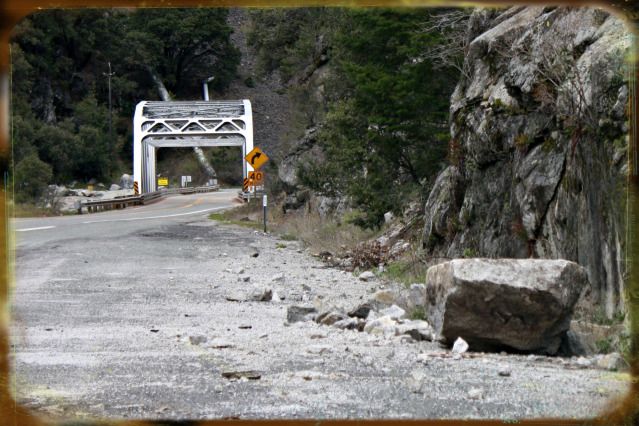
x=187 y=124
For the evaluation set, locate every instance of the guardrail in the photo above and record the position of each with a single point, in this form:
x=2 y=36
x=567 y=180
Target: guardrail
x=137 y=200
x=245 y=196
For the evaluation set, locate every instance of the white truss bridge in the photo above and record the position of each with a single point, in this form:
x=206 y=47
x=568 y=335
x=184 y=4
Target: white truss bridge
x=187 y=124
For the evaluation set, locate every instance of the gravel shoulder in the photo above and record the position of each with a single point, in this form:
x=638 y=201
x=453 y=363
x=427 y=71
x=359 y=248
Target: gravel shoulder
x=140 y=326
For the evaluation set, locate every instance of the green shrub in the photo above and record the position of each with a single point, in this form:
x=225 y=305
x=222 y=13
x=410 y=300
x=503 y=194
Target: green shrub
x=604 y=346
x=418 y=314
x=249 y=82
x=469 y=252
x=31 y=177
x=522 y=141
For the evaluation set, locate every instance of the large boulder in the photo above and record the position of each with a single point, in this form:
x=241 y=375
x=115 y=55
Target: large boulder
x=495 y=304
x=126 y=181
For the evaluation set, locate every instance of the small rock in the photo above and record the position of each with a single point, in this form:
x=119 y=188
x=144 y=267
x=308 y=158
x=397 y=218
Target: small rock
x=197 y=340
x=612 y=362
x=423 y=358
x=582 y=362
x=361 y=311
x=244 y=278
x=276 y=297
x=300 y=313
x=460 y=346
x=504 y=372
x=384 y=326
x=347 y=324
x=476 y=393
x=237 y=375
x=235 y=296
x=366 y=276
x=310 y=375
x=277 y=278
x=317 y=336
x=387 y=297
x=417 y=329
x=395 y=312
x=330 y=317
x=318 y=349
x=372 y=315
x=239 y=271
x=405 y=339
x=220 y=344
x=261 y=294
x=388 y=217
x=416 y=381
x=114 y=187
x=255 y=254
x=416 y=296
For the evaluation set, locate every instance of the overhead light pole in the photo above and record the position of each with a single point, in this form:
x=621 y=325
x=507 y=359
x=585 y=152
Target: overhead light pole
x=205 y=87
x=111 y=143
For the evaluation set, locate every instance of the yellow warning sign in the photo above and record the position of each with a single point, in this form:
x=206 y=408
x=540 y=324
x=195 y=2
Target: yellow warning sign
x=256 y=177
x=163 y=181
x=256 y=158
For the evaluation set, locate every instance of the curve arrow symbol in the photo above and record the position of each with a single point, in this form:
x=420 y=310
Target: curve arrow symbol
x=255 y=156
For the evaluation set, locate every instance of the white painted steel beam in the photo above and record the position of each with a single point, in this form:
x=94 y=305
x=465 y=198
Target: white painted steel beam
x=187 y=124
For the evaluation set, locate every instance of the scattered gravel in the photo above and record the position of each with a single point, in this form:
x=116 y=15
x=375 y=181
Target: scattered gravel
x=215 y=358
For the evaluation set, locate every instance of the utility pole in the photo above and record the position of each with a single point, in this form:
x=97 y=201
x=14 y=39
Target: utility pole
x=111 y=164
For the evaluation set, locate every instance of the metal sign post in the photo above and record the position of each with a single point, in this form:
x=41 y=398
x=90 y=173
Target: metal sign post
x=264 y=208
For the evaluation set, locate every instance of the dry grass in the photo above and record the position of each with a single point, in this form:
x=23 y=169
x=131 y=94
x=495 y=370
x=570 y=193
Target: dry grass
x=317 y=233
x=29 y=210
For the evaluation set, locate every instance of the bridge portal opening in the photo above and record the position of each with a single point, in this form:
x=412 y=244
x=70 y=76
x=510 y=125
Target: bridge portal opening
x=173 y=163
x=184 y=124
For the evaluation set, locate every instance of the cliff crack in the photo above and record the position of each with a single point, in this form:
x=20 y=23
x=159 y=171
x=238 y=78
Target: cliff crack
x=553 y=198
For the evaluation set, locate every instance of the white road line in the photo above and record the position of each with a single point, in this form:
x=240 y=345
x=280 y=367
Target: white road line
x=159 y=217
x=34 y=229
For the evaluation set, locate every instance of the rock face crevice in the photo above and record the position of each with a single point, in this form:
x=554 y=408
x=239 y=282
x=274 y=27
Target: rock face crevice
x=539 y=125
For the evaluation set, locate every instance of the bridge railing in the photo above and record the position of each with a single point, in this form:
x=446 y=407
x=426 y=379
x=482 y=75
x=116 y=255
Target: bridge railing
x=136 y=200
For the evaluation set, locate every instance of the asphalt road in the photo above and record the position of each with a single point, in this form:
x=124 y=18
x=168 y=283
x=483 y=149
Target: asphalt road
x=34 y=232
x=126 y=314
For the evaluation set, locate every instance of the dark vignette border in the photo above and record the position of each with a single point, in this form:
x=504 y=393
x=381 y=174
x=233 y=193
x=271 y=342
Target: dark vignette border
x=619 y=412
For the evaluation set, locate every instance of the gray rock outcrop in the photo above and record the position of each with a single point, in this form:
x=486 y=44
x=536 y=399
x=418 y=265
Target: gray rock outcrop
x=520 y=304
x=538 y=145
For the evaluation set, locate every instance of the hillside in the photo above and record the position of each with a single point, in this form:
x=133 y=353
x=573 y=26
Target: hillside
x=506 y=128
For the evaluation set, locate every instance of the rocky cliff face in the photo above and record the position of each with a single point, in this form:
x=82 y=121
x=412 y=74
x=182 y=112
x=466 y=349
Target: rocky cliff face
x=538 y=136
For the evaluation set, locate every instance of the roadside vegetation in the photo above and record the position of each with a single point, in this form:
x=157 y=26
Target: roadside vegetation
x=314 y=232
x=384 y=116
x=59 y=87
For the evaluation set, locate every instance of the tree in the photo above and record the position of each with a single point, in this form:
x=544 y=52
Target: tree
x=387 y=127
x=31 y=177
x=59 y=92
x=184 y=46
